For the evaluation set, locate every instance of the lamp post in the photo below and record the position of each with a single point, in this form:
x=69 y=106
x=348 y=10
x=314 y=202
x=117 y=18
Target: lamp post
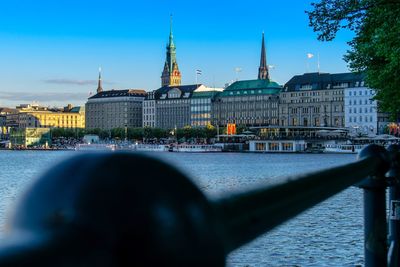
x=126 y=133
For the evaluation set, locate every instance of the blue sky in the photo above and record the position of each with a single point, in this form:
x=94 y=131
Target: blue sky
x=50 y=51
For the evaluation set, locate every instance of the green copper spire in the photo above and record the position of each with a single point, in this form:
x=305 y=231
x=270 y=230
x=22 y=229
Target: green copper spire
x=171 y=75
x=171 y=36
x=171 y=50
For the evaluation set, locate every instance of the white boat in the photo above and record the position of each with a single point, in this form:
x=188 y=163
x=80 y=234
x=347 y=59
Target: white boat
x=195 y=148
x=343 y=148
x=149 y=147
x=95 y=147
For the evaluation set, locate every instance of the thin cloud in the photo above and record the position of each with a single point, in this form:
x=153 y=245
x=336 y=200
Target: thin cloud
x=74 y=82
x=42 y=97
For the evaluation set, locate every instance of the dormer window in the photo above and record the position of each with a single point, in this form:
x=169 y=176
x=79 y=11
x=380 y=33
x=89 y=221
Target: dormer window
x=174 y=93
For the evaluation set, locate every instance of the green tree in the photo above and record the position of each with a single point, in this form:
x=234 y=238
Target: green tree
x=80 y=132
x=57 y=132
x=135 y=133
x=103 y=134
x=375 y=48
x=160 y=133
x=118 y=133
x=93 y=131
x=210 y=131
x=241 y=128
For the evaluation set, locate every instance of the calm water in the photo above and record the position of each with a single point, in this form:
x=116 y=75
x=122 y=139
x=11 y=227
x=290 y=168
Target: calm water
x=330 y=234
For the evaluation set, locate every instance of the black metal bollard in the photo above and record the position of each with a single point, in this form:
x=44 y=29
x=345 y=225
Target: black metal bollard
x=394 y=207
x=114 y=209
x=375 y=225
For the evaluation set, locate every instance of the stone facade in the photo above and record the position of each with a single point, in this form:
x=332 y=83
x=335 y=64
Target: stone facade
x=115 y=109
x=315 y=99
x=250 y=103
x=173 y=106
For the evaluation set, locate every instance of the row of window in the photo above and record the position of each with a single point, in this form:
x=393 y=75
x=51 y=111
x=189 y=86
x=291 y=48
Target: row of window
x=360 y=110
x=366 y=101
x=360 y=119
x=201 y=116
x=169 y=102
x=311 y=93
x=148 y=117
x=360 y=92
x=200 y=108
x=248 y=121
x=201 y=101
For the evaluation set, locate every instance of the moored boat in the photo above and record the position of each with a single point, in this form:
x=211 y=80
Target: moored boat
x=343 y=148
x=195 y=148
x=95 y=147
x=149 y=147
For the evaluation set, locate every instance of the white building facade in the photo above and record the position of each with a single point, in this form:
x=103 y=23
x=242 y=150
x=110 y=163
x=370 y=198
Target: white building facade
x=149 y=110
x=361 y=116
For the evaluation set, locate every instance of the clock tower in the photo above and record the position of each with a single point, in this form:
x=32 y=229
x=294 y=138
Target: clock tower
x=171 y=75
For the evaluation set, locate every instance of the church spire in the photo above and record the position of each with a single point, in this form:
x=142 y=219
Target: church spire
x=171 y=36
x=263 y=73
x=99 y=86
x=171 y=74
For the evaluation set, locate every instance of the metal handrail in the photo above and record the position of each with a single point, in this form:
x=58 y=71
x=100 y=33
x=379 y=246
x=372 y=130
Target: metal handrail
x=124 y=209
x=300 y=193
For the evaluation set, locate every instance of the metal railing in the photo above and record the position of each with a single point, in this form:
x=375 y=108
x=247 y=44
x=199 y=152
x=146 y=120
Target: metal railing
x=124 y=209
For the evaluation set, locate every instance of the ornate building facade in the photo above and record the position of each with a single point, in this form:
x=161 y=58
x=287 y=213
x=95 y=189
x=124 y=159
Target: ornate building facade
x=250 y=102
x=316 y=99
x=171 y=76
x=172 y=106
x=34 y=116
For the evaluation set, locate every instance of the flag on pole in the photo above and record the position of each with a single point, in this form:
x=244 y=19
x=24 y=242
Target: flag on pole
x=309 y=55
x=198 y=72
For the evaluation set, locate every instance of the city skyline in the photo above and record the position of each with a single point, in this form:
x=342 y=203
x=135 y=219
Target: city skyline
x=57 y=64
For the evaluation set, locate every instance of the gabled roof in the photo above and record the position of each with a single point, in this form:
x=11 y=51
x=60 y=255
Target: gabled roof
x=320 y=81
x=120 y=93
x=183 y=88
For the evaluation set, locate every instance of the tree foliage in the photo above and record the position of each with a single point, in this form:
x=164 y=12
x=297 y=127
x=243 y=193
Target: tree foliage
x=67 y=132
x=375 y=49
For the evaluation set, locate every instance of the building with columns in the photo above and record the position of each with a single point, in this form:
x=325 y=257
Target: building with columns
x=315 y=99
